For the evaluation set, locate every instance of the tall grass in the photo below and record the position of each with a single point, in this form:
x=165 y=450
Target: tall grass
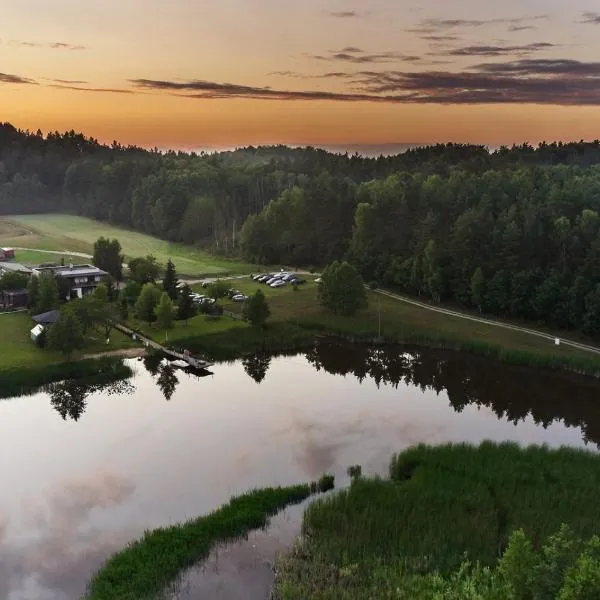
x=147 y=566
x=439 y=505
x=28 y=381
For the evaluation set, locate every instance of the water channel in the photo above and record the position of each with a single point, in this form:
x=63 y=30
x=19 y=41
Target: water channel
x=84 y=471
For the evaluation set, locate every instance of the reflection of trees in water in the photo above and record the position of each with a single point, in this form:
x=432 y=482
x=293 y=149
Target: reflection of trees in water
x=69 y=397
x=152 y=362
x=167 y=380
x=511 y=392
x=257 y=365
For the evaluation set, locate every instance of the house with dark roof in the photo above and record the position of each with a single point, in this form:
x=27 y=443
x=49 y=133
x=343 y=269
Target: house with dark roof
x=82 y=279
x=47 y=318
x=13 y=267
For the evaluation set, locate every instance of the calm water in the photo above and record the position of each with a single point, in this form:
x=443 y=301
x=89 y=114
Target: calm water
x=84 y=474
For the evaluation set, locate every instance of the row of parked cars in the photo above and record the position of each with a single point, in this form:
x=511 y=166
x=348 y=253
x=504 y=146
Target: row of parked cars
x=276 y=280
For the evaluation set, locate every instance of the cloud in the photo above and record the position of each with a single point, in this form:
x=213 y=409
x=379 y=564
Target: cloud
x=591 y=18
x=521 y=27
x=9 y=78
x=431 y=26
x=540 y=81
x=67 y=81
x=52 y=45
x=67 y=547
x=354 y=55
x=483 y=50
x=440 y=38
x=347 y=14
x=77 y=88
x=63 y=46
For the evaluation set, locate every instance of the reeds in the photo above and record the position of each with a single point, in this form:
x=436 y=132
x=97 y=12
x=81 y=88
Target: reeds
x=147 y=566
x=441 y=505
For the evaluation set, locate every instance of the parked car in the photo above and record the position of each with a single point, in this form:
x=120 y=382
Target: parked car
x=257 y=276
x=278 y=283
x=240 y=298
x=271 y=280
x=205 y=284
x=232 y=292
x=318 y=280
x=263 y=278
x=297 y=281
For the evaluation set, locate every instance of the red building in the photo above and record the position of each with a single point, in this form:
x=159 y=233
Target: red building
x=7 y=254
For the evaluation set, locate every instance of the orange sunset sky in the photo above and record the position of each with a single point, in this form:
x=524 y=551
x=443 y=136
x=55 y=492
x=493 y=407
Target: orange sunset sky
x=196 y=74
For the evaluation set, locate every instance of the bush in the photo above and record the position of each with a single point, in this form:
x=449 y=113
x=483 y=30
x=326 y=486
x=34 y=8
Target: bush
x=326 y=482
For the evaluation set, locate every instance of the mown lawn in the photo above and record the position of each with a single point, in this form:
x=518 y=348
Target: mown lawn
x=78 y=234
x=441 y=505
x=408 y=323
x=17 y=351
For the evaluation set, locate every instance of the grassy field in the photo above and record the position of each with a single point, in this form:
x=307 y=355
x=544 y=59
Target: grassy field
x=440 y=505
x=78 y=234
x=17 y=351
x=401 y=322
x=148 y=566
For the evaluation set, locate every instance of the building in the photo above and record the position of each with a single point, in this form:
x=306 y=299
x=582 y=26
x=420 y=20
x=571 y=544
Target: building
x=15 y=298
x=13 y=267
x=47 y=318
x=7 y=254
x=82 y=279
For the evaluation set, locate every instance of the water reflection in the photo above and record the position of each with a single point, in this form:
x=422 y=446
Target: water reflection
x=511 y=392
x=167 y=380
x=257 y=365
x=69 y=397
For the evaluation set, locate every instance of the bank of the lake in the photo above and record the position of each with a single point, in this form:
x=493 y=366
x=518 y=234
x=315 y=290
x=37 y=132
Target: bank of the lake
x=297 y=318
x=440 y=507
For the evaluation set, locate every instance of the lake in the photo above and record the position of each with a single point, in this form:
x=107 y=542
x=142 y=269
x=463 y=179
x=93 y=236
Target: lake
x=84 y=473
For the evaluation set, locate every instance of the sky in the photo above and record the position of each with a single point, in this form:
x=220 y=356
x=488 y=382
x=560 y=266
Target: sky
x=193 y=74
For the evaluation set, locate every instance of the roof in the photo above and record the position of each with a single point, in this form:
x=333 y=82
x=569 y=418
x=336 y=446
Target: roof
x=15 y=267
x=7 y=249
x=47 y=318
x=74 y=271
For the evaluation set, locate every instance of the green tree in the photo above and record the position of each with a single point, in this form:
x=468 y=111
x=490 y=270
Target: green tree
x=101 y=293
x=342 y=290
x=164 y=311
x=147 y=302
x=218 y=289
x=33 y=292
x=66 y=335
x=517 y=563
x=143 y=269
x=477 y=288
x=591 y=317
x=131 y=292
x=256 y=309
x=48 y=297
x=108 y=257
x=186 y=309
x=170 y=281
x=13 y=281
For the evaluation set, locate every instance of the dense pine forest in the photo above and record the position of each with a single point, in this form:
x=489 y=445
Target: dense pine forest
x=514 y=232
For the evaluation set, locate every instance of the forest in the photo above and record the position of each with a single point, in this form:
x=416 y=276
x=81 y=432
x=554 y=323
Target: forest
x=513 y=232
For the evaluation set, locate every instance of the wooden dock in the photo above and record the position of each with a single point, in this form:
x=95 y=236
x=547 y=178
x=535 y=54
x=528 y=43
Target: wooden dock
x=192 y=361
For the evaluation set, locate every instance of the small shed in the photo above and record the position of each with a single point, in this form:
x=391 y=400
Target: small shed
x=15 y=298
x=47 y=318
x=36 y=332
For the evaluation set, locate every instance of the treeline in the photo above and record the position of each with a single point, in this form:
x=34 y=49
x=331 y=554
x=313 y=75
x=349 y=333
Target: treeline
x=514 y=232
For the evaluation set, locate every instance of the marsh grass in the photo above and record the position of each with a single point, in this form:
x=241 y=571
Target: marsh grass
x=28 y=381
x=145 y=568
x=440 y=505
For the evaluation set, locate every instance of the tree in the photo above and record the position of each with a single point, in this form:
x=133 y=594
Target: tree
x=143 y=269
x=477 y=288
x=108 y=257
x=66 y=335
x=170 y=281
x=164 y=312
x=101 y=293
x=13 y=281
x=48 y=297
x=218 y=289
x=131 y=292
x=256 y=310
x=342 y=290
x=147 y=302
x=186 y=309
x=33 y=292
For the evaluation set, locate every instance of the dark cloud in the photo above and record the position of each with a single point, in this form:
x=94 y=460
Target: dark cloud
x=9 y=78
x=484 y=50
x=67 y=81
x=440 y=38
x=77 y=88
x=592 y=18
x=358 y=56
x=63 y=46
x=52 y=45
x=347 y=14
x=522 y=28
x=539 y=81
x=431 y=26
